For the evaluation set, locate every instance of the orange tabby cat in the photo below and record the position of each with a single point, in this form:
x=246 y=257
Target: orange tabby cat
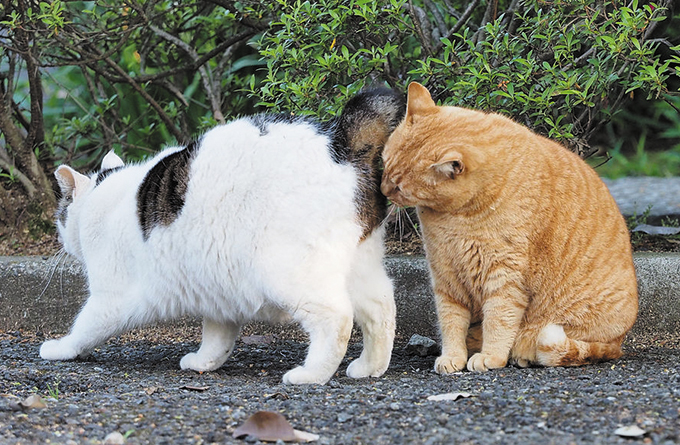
x=522 y=238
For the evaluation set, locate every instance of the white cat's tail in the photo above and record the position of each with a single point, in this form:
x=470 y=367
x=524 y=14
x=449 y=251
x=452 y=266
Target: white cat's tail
x=554 y=348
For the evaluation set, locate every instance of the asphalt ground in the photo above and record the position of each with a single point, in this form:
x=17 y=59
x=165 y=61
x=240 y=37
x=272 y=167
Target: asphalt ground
x=133 y=385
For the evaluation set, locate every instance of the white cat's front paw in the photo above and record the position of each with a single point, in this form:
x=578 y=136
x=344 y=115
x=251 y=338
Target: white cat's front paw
x=303 y=376
x=361 y=368
x=57 y=350
x=195 y=362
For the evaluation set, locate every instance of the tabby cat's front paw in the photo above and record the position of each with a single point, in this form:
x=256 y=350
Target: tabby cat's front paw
x=195 y=362
x=57 y=350
x=447 y=364
x=484 y=362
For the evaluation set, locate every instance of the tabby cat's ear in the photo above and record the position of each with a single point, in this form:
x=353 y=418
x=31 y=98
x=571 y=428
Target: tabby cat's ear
x=450 y=167
x=70 y=181
x=419 y=101
x=111 y=160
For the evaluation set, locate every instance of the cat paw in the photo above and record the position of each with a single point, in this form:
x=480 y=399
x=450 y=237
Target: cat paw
x=484 y=362
x=360 y=369
x=195 y=362
x=447 y=365
x=57 y=350
x=521 y=362
x=303 y=376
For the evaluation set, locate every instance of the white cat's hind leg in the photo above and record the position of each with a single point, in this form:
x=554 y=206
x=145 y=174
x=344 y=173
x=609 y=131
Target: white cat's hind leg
x=374 y=309
x=216 y=346
x=328 y=320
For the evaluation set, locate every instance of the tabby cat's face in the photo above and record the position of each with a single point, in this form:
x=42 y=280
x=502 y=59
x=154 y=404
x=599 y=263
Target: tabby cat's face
x=424 y=165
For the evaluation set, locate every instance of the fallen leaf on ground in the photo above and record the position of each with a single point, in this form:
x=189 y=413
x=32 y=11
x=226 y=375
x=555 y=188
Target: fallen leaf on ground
x=270 y=427
x=630 y=431
x=195 y=388
x=29 y=402
x=449 y=396
x=656 y=230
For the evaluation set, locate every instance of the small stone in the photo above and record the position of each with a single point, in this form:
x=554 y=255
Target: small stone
x=114 y=438
x=422 y=346
x=630 y=431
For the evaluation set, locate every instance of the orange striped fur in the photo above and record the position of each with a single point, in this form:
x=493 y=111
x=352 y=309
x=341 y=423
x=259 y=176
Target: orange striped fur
x=523 y=240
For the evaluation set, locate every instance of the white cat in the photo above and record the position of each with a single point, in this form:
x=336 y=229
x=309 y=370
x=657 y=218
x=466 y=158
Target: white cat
x=267 y=218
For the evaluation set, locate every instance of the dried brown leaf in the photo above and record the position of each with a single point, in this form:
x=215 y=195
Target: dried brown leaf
x=270 y=427
x=30 y=402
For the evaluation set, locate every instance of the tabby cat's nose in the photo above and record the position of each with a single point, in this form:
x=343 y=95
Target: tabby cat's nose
x=388 y=187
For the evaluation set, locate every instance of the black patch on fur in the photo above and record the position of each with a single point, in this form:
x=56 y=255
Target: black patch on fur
x=262 y=121
x=103 y=174
x=160 y=197
x=62 y=209
x=360 y=134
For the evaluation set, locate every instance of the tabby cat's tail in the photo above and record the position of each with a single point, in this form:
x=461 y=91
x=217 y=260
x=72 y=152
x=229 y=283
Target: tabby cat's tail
x=554 y=348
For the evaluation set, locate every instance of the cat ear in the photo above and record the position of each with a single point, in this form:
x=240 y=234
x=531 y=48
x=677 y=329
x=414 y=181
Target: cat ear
x=70 y=181
x=111 y=160
x=419 y=100
x=451 y=167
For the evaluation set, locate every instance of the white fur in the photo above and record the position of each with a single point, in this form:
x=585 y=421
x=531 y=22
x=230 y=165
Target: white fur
x=552 y=335
x=268 y=232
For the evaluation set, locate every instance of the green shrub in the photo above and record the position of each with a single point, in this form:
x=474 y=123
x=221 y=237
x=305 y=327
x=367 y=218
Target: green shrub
x=562 y=68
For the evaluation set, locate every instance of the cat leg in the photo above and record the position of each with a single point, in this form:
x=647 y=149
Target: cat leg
x=454 y=321
x=328 y=320
x=523 y=353
x=102 y=317
x=502 y=316
x=217 y=344
x=374 y=309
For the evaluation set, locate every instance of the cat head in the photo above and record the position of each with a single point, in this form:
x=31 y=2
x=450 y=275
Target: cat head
x=431 y=159
x=75 y=187
x=369 y=117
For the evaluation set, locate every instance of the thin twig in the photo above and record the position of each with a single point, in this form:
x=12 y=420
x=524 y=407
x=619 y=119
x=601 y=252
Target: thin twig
x=461 y=22
x=418 y=16
x=161 y=113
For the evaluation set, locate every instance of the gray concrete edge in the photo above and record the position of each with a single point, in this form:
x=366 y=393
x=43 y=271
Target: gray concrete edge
x=41 y=294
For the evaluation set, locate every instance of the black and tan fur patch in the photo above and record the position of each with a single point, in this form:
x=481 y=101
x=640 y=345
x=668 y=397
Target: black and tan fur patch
x=160 y=197
x=366 y=122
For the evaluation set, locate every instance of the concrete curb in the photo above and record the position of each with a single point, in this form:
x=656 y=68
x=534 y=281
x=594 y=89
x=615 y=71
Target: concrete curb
x=38 y=294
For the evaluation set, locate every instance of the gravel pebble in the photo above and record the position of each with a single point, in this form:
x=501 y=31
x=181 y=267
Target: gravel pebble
x=134 y=387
